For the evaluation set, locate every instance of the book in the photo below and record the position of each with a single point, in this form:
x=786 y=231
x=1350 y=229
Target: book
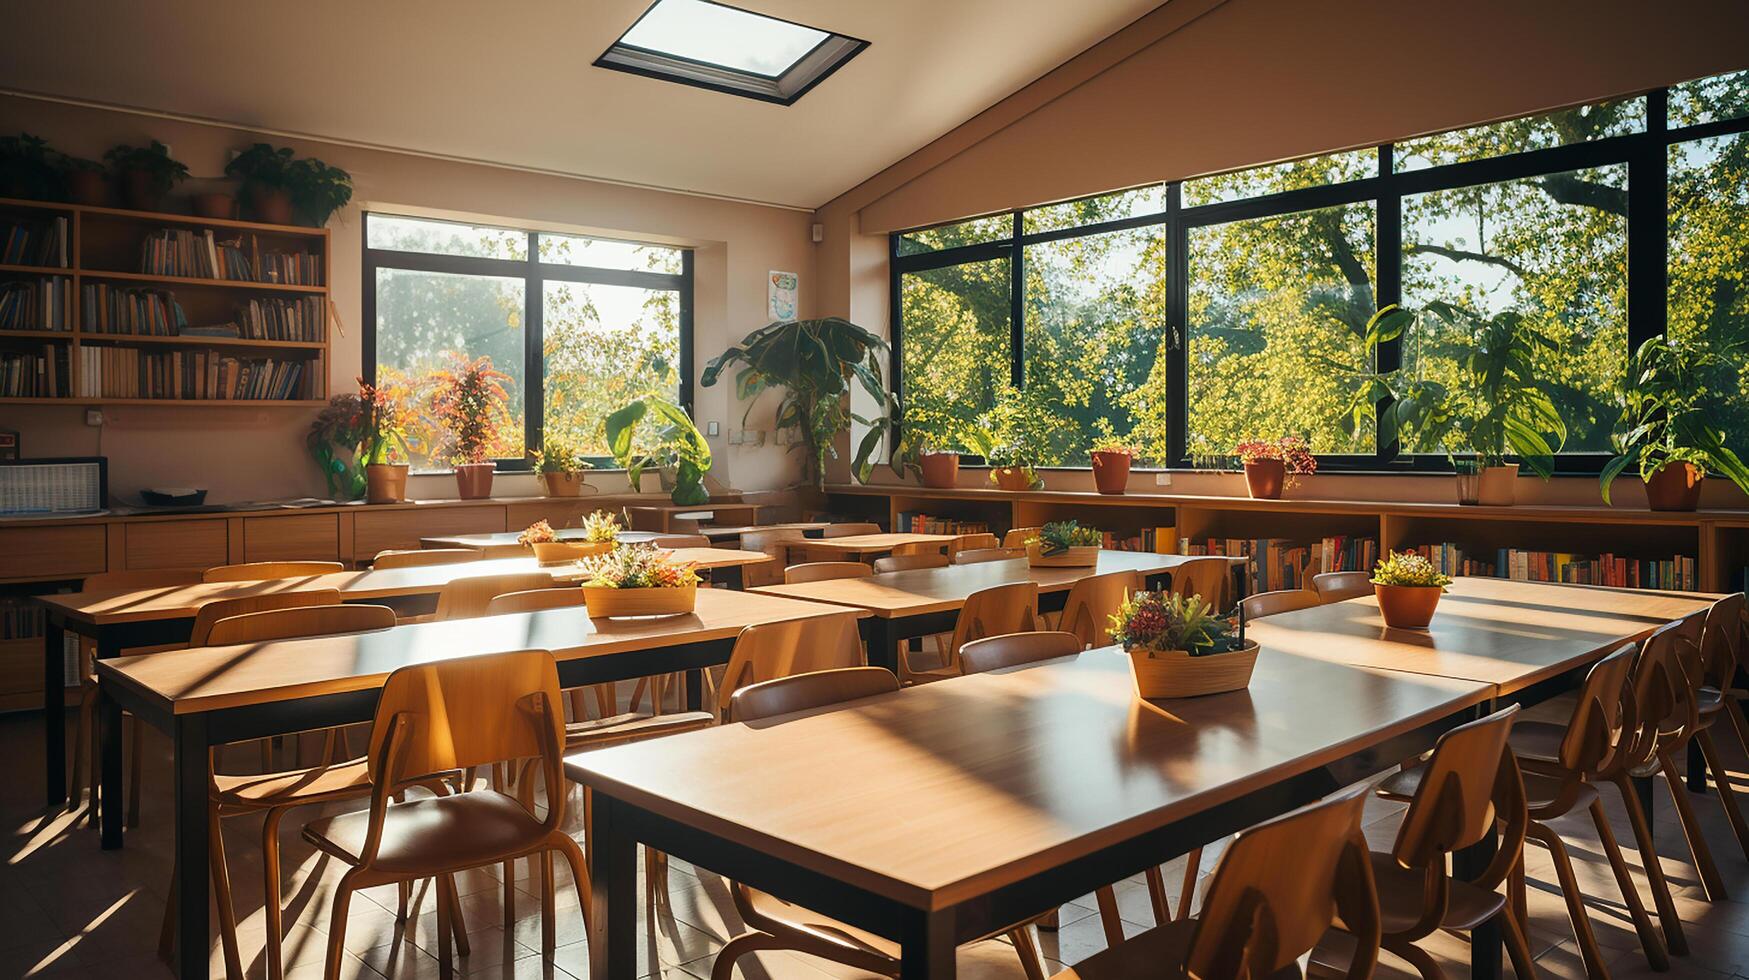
x=41 y=243
x=40 y=304
x=202 y=255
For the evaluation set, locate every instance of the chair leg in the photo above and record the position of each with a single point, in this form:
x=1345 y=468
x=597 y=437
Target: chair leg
x=547 y=928
x=271 y=897
x=337 y=924
x=1656 y=955
x=222 y=896
x=136 y=732
x=1711 y=882
x=1666 y=906
x=445 y=955
x=638 y=690
x=573 y=855
x=734 y=949
x=1108 y=916
x=1192 y=870
x=1516 y=895
x=458 y=926
x=1587 y=939
x=1418 y=958
x=1157 y=894
x=82 y=737
x=1517 y=948
x=1030 y=963
x=1727 y=794
x=405 y=888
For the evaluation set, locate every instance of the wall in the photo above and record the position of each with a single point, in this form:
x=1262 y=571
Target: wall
x=242 y=453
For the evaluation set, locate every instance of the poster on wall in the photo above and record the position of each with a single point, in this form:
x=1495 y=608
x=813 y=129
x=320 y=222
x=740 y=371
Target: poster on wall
x=780 y=291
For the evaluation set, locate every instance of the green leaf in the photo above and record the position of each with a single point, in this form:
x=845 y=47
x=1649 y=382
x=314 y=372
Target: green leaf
x=1611 y=470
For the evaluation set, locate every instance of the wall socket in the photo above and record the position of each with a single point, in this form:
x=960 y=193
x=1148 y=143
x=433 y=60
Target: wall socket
x=94 y=416
x=1162 y=479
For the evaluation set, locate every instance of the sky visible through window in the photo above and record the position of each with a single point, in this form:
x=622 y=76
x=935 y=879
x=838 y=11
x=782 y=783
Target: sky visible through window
x=724 y=36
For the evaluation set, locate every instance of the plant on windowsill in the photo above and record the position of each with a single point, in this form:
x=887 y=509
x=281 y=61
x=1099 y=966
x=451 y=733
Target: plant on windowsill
x=146 y=174
x=336 y=441
x=561 y=466
x=674 y=442
x=1272 y=465
x=1013 y=437
x=1111 y=463
x=1667 y=403
x=384 y=423
x=469 y=401
x=1064 y=544
x=1497 y=404
x=1408 y=587
x=817 y=363
x=638 y=580
x=1181 y=647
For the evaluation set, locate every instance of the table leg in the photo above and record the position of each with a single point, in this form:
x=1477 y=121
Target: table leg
x=613 y=869
x=54 y=714
x=1643 y=789
x=192 y=878
x=695 y=689
x=109 y=794
x=730 y=577
x=926 y=945
x=883 y=650
x=1696 y=768
x=1485 y=940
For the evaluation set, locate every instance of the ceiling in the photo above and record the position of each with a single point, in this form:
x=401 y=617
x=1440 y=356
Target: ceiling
x=514 y=83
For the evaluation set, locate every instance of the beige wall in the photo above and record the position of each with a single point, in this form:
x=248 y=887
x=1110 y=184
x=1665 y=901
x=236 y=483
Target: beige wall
x=242 y=453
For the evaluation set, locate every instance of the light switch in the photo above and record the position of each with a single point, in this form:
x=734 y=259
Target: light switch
x=710 y=428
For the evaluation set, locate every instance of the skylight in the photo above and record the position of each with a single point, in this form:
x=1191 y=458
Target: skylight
x=715 y=46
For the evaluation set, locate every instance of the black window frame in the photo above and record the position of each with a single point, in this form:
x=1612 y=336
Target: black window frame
x=534 y=274
x=1645 y=155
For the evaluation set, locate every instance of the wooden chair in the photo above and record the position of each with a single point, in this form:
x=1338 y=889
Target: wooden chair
x=535 y=600
x=1467 y=789
x=778 y=924
x=817 y=571
x=434 y=720
x=1017 y=650
x=899 y=563
x=467 y=598
x=974 y=556
x=1719 y=660
x=1016 y=537
x=680 y=541
x=775 y=542
x=799 y=646
x=849 y=529
x=1011 y=608
x=1280 y=601
x=1091 y=602
x=1275 y=893
x=421 y=557
x=1210 y=578
x=966 y=542
x=257 y=570
x=911 y=549
x=1337 y=586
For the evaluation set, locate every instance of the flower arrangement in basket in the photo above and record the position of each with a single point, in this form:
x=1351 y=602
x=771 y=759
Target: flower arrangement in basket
x=600 y=533
x=1408 y=587
x=1181 y=647
x=470 y=402
x=1063 y=543
x=561 y=466
x=638 y=580
x=1272 y=465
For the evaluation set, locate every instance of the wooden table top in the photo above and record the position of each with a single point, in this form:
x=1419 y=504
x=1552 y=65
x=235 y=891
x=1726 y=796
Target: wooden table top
x=1501 y=632
x=694 y=509
x=919 y=591
x=862 y=544
x=183 y=601
x=209 y=678
x=498 y=539
x=968 y=784
x=719 y=532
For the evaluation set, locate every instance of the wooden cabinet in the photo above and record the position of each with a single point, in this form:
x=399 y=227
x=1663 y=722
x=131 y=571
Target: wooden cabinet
x=50 y=552
x=557 y=511
x=178 y=544
x=378 y=530
x=297 y=537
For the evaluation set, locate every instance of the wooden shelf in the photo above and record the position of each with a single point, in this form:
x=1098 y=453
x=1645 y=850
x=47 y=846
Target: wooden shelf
x=63 y=336
x=243 y=402
x=142 y=277
x=37 y=270
x=93 y=337
x=163 y=217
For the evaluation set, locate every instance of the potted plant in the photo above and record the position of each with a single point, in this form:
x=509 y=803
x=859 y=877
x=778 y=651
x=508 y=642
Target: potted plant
x=1011 y=467
x=817 y=363
x=215 y=204
x=1272 y=465
x=1014 y=436
x=146 y=174
x=87 y=181
x=938 y=468
x=600 y=532
x=1667 y=415
x=468 y=400
x=675 y=442
x=561 y=466
x=1111 y=466
x=383 y=423
x=1064 y=544
x=317 y=190
x=266 y=176
x=1498 y=405
x=29 y=169
x=1408 y=587
x=638 y=580
x=1181 y=647
x=336 y=439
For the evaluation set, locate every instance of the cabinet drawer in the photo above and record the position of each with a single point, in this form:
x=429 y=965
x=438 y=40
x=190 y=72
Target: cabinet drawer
x=384 y=529
x=301 y=537
x=52 y=552
x=178 y=544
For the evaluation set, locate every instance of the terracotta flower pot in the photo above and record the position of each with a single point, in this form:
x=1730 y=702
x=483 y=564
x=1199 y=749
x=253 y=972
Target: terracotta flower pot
x=1469 y=488
x=1498 y=486
x=140 y=192
x=272 y=205
x=1012 y=478
x=88 y=187
x=1111 y=472
x=1675 y=487
x=1407 y=607
x=385 y=483
x=215 y=205
x=1265 y=478
x=564 y=484
x=940 y=470
x=473 y=481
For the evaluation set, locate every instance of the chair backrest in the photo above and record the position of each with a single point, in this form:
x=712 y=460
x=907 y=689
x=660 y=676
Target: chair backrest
x=803 y=692
x=1016 y=537
x=1601 y=716
x=257 y=570
x=1000 y=609
x=466 y=598
x=1460 y=794
x=799 y=646
x=846 y=530
x=1017 y=650
x=900 y=563
x=468 y=711
x=816 y=571
x=1664 y=703
x=1093 y=600
x=1279 y=886
x=534 y=600
x=298 y=622
x=200 y=633
x=775 y=542
x=1280 y=601
x=1337 y=586
x=1206 y=577
x=920 y=549
x=680 y=541
x=420 y=557
x=145 y=578
x=1721 y=640
x=966 y=542
x=973 y=556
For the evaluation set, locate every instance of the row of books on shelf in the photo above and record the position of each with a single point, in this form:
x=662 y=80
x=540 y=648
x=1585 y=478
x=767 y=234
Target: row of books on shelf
x=125 y=372
x=201 y=255
x=1161 y=540
x=35 y=243
x=41 y=304
x=911 y=522
x=21 y=618
x=1281 y=563
x=139 y=312
x=1619 y=571
x=34 y=374
x=282 y=319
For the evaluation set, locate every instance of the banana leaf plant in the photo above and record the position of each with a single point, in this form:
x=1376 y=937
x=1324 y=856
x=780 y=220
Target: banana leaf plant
x=816 y=363
x=676 y=442
x=1667 y=407
x=1497 y=405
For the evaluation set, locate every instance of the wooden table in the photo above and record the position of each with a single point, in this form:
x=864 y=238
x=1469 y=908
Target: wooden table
x=213 y=695
x=989 y=799
x=116 y=620
x=505 y=539
x=665 y=516
x=856 y=547
x=924 y=601
x=718 y=532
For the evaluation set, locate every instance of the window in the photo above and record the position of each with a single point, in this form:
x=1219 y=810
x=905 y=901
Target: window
x=1590 y=122
x=716 y=46
x=1709 y=265
x=974 y=232
x=581 y=329
x=1294 y=175
x=957 y=358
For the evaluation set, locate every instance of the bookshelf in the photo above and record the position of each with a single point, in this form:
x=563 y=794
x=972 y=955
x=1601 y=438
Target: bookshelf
x=104 y=249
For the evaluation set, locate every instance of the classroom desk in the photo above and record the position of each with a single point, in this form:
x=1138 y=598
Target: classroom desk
x=984 y=800
x=213 y=695
x=507 y=539
x=666 y=516
x=116 y=621
x=856 y=547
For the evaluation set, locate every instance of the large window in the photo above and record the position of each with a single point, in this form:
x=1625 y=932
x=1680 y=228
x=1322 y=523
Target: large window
x=1185 y=317
x=580 y=325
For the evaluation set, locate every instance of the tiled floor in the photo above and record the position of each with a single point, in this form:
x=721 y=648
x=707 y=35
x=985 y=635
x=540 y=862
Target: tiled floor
x=68 y=909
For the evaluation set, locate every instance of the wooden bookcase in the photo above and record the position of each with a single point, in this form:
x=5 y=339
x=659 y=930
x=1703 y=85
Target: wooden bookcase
x=104 y=248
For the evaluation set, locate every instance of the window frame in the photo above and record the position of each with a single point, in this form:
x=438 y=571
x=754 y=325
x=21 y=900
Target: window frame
x=534 y=275
x=1645 y=155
